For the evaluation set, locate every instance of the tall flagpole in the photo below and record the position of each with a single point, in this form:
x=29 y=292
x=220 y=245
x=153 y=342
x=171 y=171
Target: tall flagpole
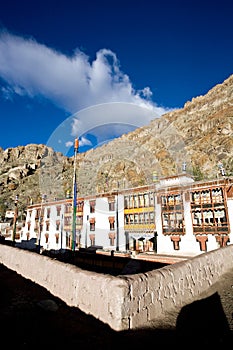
x=73 y=245
x=117 y=219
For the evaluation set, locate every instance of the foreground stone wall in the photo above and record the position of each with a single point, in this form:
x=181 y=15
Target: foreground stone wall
x=156 y=293
x=97 y=294
x=124 y=302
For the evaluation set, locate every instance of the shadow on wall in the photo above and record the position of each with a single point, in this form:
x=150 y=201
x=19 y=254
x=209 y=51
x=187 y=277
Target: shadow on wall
x=30 y=244
x=204 y=321
x=38 y=317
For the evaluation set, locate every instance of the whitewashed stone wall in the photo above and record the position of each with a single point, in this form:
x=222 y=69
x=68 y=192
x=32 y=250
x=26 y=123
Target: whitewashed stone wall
x=124 y=302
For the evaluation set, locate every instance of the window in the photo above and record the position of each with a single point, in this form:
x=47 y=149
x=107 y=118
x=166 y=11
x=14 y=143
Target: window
x=112 y=222
x=79 y=220
x=171 y=200
x=111 y=206
x=68 y=239
x=196 y=197
x=141 y=200
x=57 y=225
x=220 y=216
x=177 y=199
x=152 y=217
x=217 y=195
x=58 y=210
x=131 y=218
x=136 y=202
x=48 y=213
x=197 y=218
x=92 y=224
x=131 y=202
x=92 y=239
x=112 y=238
x=57 y=238
x=126 y=202
x=141 y=218
x=208 y=213
x=111 y=203
x=68 y=208
x=67 y=220
x=80 y=206
x=47 y=226
x=92 y=206
x=127 y=219
x=146 y=216
x=151 y=198
x=205 y=196
x=146 y=199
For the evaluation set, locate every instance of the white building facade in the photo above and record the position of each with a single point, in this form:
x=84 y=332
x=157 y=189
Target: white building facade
x=174 y=216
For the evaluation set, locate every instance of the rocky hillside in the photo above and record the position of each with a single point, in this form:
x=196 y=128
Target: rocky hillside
x=22 y=170
x=200 y=134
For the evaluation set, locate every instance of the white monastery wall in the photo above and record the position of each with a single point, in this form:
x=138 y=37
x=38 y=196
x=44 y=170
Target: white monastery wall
x=230 y=215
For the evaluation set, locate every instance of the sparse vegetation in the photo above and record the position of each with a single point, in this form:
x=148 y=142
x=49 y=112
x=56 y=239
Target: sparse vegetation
x=197 y=173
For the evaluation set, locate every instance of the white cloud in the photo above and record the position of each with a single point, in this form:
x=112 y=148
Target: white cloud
x=84 y=141
x=73 y=83
x=103 y=95
x=7 y=93
x=68 y=143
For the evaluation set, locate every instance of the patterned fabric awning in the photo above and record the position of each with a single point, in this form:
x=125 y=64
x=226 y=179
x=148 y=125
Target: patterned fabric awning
x=141 y=235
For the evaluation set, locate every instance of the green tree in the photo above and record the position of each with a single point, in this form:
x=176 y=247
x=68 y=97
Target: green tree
x=3 y=208
x=197 y=173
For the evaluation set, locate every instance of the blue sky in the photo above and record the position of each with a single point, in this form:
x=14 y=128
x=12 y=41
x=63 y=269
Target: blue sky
x=98 y=69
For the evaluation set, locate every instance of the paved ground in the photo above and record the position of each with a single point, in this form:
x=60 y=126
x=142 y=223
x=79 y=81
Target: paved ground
x=31 y=316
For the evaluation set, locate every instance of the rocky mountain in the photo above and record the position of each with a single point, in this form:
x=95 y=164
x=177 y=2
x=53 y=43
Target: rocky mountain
x=22 y=170
x=199 y=135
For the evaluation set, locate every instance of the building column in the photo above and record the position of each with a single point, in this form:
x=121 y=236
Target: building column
x=230 y=217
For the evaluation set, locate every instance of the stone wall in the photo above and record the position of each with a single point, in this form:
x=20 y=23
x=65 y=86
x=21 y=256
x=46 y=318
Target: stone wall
x=127 y=301
x=155 y=294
